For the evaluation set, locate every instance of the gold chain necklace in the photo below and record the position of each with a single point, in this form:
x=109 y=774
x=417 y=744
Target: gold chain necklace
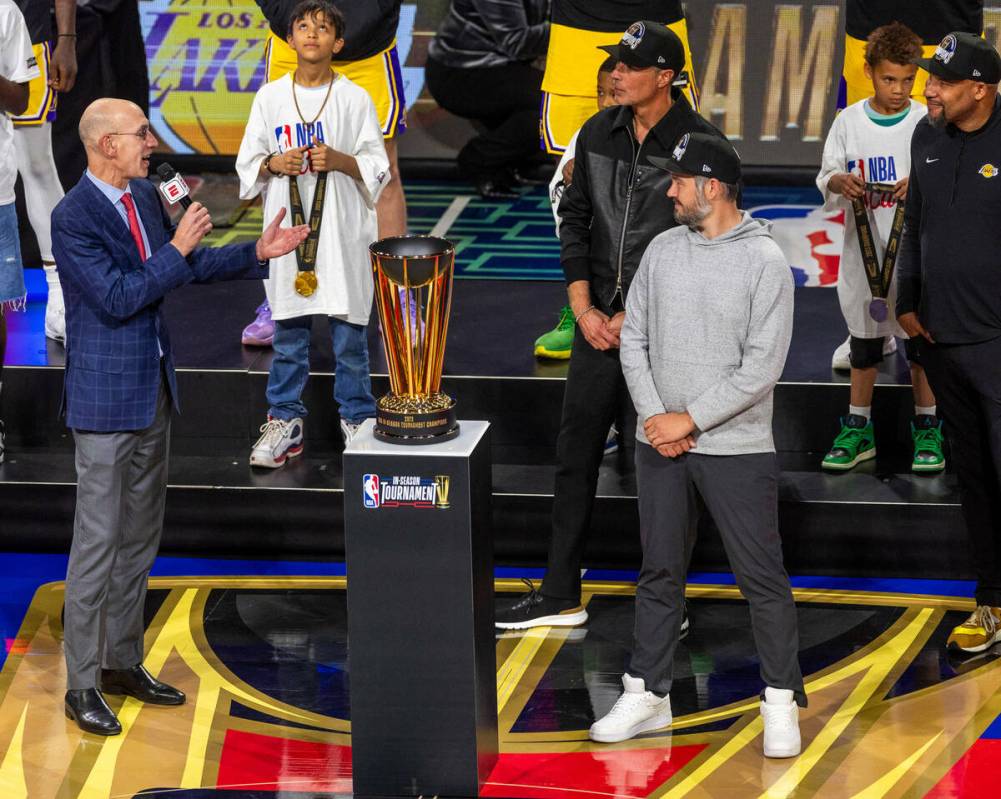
x=330 y=86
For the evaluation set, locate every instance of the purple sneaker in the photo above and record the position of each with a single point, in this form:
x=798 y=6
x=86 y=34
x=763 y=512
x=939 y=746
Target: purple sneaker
x=260 y=332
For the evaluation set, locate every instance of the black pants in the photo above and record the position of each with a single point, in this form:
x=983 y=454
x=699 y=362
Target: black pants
x=505 y=100
x=741 y=493
x=967 y=385
x=595 y=391
x=111 y=57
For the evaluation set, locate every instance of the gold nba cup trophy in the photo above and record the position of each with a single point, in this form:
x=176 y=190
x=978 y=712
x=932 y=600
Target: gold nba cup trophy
x=413 y=291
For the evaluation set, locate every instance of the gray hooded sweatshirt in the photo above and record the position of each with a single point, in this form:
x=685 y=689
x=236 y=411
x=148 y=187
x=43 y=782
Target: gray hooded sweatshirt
x=707 y=329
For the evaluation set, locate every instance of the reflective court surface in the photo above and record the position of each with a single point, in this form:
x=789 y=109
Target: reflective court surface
x=263 y=659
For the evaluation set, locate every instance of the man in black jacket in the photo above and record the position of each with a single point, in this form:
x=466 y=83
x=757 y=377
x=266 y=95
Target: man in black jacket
x=949 y=292
x=614 y=207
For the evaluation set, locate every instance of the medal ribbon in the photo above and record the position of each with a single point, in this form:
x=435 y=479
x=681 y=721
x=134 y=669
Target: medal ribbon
x=305 y=253
x=878 y=276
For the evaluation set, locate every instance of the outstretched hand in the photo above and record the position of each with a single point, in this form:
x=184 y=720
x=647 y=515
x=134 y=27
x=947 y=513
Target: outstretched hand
x=277 y=240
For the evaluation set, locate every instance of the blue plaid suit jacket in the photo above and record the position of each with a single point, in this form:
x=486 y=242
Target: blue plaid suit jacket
x=113 y=299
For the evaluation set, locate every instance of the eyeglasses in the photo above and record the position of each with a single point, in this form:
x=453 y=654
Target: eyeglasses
x=142 y=133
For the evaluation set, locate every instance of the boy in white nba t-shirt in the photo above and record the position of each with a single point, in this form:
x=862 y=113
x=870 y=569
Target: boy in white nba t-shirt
x=867 y=160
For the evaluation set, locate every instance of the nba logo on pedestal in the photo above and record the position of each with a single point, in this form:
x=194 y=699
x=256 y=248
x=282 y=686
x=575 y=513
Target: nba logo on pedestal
x=370 y=490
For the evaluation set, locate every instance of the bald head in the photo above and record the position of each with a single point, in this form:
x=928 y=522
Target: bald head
x=104 y=116
x=118 y=139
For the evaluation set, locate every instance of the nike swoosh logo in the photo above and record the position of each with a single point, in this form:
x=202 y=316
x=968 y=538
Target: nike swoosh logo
x=931 y=160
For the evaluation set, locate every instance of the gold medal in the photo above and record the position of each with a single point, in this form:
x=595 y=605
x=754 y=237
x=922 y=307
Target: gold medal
x=305 y=283
x=305 y=253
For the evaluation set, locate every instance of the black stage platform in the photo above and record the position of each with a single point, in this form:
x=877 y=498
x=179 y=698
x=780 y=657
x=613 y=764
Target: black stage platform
x=877 y=520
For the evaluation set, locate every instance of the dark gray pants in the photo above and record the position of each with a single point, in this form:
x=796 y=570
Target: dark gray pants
x=741 y=494
x=121 y=490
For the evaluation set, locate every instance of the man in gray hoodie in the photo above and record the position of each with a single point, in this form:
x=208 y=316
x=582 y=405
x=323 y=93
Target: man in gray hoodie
x=707 y=329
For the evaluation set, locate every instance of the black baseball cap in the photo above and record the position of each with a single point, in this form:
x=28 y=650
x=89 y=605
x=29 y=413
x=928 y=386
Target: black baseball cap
x=649 y=44
x=964 y=56
x=702 y=154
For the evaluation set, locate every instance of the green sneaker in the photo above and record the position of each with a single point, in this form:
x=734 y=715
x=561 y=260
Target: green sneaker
x=558 y=342
x=926 y=433
x=854 y=444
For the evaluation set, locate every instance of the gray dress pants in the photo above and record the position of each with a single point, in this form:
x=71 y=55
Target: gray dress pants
x=741 y=493
x=121 y=490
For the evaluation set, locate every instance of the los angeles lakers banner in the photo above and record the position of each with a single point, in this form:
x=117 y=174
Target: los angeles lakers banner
x=769 y=72
x=205 y=64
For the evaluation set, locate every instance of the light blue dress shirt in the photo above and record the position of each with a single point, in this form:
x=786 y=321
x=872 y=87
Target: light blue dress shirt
x=114 y=196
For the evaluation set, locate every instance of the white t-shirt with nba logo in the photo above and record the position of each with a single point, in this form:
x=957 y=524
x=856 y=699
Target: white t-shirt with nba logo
x=348 y=123
x=17 y=64
x=877 y=154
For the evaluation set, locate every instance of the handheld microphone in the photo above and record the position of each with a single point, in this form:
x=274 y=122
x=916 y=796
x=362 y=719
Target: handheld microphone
x=173 y=187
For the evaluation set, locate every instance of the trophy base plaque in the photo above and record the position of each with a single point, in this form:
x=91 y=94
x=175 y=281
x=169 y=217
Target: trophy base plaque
x=415 y=420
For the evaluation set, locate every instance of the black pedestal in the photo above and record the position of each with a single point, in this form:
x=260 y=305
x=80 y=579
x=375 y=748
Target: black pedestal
x=420 y=615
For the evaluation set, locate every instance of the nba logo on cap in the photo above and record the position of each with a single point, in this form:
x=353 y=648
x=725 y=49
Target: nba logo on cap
x=946 y=49
x=633 y=35
x=370 y=490
x=679 y=150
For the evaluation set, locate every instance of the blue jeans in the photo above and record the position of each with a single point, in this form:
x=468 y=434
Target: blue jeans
x=290 y=369
x=11 y=268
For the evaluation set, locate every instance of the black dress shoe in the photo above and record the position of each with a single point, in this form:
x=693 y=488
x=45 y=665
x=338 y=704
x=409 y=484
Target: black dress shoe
x=495 y=190
x=91 y=713
x=139 y=684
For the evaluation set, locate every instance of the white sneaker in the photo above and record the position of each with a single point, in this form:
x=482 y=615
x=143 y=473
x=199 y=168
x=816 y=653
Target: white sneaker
x=349 y=430
x=781 y=715
x=840 y=360
x=279 y=441
x=3 y=436
x=637 y=710
x=55 y=311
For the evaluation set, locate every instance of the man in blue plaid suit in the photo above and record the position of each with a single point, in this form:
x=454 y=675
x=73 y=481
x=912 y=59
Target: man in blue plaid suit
x=122 y=255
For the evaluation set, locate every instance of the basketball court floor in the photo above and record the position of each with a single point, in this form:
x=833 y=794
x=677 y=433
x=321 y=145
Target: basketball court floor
x=261 y=651
x=246 y=611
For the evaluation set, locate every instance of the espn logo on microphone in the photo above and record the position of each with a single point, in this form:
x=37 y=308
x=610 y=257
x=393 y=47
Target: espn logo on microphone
x=174 y=189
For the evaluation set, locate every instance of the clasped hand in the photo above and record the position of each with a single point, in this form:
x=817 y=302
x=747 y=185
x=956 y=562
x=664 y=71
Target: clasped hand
x=321 y=157
x=600 y=331
x=671 y=434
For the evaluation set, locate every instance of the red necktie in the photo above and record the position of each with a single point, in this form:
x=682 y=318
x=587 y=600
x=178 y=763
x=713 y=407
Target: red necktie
x=137 y=236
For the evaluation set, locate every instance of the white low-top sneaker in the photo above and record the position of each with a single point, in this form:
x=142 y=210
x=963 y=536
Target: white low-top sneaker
x=55 y=311
x=781 y=715
x=279 y=441
x=637 y=710
x=840 y=360
x=349 y=430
